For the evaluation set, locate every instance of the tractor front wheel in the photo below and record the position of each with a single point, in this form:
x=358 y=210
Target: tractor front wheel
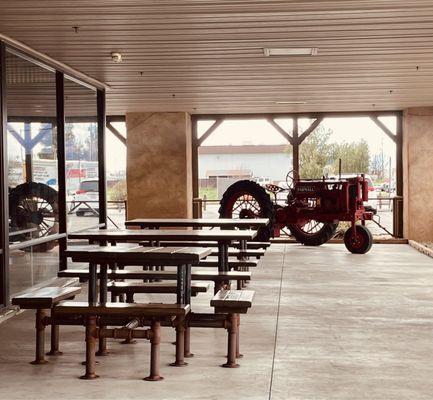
x=313 y=233
x=360 y=242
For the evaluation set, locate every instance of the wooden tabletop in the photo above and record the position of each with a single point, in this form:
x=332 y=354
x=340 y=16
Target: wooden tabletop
x=160 y=234
x=168 y=256
x=228 y=223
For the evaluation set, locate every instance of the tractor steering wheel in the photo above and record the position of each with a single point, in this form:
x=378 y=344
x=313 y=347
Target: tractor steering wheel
x=290 y=178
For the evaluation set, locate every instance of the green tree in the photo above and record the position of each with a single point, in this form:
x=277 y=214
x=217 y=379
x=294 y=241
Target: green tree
x=118 y=191
x=318 y=157
x=315 y=153
x=355 y=157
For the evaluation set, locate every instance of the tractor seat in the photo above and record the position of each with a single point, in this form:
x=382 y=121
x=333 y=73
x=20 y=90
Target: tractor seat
x=274 y=188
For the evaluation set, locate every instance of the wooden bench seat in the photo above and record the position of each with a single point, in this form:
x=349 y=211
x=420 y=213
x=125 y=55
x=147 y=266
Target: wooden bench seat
x=231 y=263
x=183 y=243
x=123 y=309
x=214 y=276
x=241 y=253
x=45 y=298
x=134 y=312
x=42 y=300
x=131 y=288
x=232 y=301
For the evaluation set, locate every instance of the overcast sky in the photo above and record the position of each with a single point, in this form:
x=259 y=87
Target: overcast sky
x=260 y=132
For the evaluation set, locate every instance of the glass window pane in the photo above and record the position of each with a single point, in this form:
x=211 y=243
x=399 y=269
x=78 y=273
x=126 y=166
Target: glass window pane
x=81 y=142
x=116 y=175
x=32 y=171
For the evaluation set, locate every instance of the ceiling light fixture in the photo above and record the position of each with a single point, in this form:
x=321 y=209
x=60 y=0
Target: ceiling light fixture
x=295 y=51
x=116 y=57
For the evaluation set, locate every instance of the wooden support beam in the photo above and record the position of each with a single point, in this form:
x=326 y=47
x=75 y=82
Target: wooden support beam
x=194 y=160
x=16 y=135
x=295 y=145
x=211 y=130
x=43 y=131
x=116 y=133
x=280 y=130
x=382 y=126
x=310 y=129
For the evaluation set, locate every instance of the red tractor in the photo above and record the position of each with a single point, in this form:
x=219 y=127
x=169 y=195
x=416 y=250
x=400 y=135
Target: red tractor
x=311 y=212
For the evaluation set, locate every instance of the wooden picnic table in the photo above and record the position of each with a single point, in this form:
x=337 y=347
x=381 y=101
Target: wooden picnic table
x=182 y=258
x=223 y=223
x=222 y=237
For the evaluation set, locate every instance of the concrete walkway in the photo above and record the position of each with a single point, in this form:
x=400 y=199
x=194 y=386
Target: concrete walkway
x=325 y=324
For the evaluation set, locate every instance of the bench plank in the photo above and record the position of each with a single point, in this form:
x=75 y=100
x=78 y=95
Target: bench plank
x=45 y=298
x=231 y=263
x=154 y=287
x=241 y=253
x=83 y=274
x=233 y=298
x=122 y=309
x=182 y=243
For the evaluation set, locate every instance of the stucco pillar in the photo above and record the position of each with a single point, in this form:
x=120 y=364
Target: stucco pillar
x=159 y=169
x=418 y=173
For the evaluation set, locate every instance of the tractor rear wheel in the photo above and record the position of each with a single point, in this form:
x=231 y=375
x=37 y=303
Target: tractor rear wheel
x=313 y=233
x=361 y=242
x=34 y=206
x=247 y=199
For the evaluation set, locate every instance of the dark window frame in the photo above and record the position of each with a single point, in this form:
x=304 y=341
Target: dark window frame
x=60 y=130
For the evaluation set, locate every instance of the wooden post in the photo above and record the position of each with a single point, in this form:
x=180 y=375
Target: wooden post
x=295 y=138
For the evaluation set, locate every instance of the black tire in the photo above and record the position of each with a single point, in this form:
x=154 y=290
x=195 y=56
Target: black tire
x=35 y=206
x=260 y=202
x=317 y=238
x=80 y=213
x=363 y=241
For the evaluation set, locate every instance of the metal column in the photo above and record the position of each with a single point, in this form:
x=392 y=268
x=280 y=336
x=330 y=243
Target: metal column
x=4 y=200
x=101 y=117
x=398 y=213
x=61 y=164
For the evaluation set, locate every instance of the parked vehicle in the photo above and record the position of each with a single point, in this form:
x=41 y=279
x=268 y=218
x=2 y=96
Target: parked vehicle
x=263 y=180
x=86 y=198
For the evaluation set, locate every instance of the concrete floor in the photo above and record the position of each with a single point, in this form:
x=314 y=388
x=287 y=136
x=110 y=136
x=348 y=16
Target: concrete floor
x=325 y=324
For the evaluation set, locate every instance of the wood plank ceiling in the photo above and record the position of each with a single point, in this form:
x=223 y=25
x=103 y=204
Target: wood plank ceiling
x=205 y=56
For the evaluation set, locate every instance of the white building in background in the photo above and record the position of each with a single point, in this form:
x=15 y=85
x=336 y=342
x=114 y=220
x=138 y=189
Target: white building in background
x=248 y=161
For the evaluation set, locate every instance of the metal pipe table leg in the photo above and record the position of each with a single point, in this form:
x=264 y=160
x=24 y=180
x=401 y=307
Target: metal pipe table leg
x=54 y=351
x=187 y=352
x=180 y=345
x=154 y=352
x=231 y=343
x=40 y=338
x=103 y=296
x=91 y=335
x=238 y=354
